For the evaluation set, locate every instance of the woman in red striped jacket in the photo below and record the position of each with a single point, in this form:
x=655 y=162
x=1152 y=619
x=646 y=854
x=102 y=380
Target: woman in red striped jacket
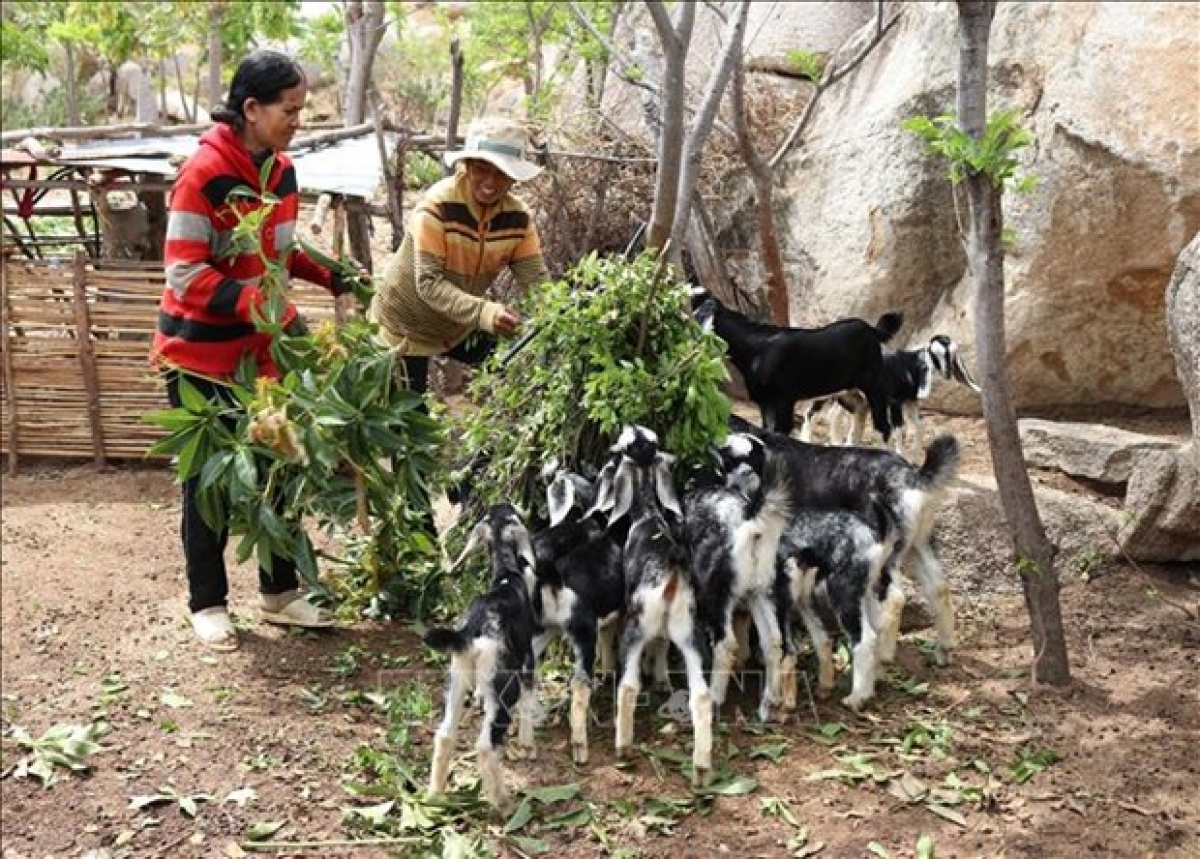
x=206 y=315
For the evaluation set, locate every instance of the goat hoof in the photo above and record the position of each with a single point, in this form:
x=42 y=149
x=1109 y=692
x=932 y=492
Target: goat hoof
x=517 y=752
x=622 y=753
x=942 y=657
x=700 y=776
x=853 y=703
x=579 y=753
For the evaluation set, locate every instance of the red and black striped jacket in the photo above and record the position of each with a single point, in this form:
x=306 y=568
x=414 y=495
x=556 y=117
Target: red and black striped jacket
x=204 y=318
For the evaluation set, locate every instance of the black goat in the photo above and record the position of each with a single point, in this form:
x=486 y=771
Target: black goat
x=733 y=522
x=637 y=486
x=783 y=365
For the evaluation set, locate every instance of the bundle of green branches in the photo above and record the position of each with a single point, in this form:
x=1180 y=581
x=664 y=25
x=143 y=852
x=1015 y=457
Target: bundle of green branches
x=613 y=343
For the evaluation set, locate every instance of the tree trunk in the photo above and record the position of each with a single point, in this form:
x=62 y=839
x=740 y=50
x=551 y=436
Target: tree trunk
x=216 y=93
x=702 y=122
x=1035 y=554
x=674 y=39
x=72 y=86
x=456 y=90
x=761 y=175
x=147 y=107
x=364 y=29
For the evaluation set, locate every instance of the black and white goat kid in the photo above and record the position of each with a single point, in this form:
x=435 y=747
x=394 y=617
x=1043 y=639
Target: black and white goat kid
x=835 y=560
x=782 y=365
x=580 y=590
x=857 y=479
x=908 y=377
x=491 y=652
x=733 y=522
x=637 y=491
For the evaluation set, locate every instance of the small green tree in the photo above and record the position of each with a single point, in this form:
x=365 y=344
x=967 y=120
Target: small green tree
x=981 y=154
x=336 y=440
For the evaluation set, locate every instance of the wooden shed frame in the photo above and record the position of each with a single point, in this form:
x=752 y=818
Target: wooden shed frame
x=74 y=344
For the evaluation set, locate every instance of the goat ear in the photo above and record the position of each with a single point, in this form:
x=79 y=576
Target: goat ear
x=961 y=372
x=622 y=494
x=664 y=485
x=475 y=541
x=560 y=497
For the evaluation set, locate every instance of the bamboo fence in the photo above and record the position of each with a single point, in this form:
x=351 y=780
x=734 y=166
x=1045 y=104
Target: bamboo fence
x=74 y=344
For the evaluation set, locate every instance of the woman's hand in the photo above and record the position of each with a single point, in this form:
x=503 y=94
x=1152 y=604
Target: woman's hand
x=508 y=322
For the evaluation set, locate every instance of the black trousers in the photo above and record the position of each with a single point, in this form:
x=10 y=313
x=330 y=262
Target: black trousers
x=203 y=547
x=472 y=351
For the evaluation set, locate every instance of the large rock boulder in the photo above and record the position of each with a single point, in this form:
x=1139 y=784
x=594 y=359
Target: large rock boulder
x=1163 y=501
x=869 y=222
x=1093 y=451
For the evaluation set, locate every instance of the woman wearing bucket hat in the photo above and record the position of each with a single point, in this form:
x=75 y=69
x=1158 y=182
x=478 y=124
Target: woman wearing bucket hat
x=465 y=230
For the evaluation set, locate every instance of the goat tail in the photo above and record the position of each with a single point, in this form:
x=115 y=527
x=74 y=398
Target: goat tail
x=941 y=461
x=888 y=325
x=454 y=640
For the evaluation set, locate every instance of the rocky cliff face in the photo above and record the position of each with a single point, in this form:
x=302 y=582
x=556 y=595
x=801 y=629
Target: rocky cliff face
x=1112 y=93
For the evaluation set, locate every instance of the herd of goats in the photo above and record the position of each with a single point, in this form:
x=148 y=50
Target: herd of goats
x=774 y=528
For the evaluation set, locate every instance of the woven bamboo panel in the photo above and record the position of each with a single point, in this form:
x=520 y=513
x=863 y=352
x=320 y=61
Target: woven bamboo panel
x=50 y=406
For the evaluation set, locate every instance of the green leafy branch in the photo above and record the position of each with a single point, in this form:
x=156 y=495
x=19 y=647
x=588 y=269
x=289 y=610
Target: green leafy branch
x=613 y=344
x=61 y=747
x=992 y=155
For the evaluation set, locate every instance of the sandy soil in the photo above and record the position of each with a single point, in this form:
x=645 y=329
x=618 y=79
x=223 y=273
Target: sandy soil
x=93 y=628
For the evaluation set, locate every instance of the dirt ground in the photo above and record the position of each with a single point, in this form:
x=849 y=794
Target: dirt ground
x=973 y=757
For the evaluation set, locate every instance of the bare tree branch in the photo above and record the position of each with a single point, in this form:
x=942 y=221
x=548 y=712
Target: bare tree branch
x=831 y=77
x=702 y=122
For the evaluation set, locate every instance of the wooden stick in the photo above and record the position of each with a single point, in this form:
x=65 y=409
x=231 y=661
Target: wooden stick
x=313 y=846
x=103 y=132
x=10 y=377
x=316 y=224
x=87 y=355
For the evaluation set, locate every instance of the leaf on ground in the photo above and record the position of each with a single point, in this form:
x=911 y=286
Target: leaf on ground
x=532 y=846
x=555 y=793
x=174 y=700
x=520 y=817
x=925 y=846
x=261 y=830
x=241 y=796
x=136 y=803
x=948 y=813
x=877 y=849
x=771 y=751
x=736 y=786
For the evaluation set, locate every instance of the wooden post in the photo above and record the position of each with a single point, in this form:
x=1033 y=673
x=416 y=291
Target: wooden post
x=156 y=218
x=87 y=355
x=10 y=376
x=339 y=249
x=389 y=176
x=358 y=230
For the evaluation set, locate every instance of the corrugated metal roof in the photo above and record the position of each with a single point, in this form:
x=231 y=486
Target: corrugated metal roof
x=351 y=167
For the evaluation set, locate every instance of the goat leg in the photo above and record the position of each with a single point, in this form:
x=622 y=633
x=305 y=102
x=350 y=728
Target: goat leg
x=581 y=692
